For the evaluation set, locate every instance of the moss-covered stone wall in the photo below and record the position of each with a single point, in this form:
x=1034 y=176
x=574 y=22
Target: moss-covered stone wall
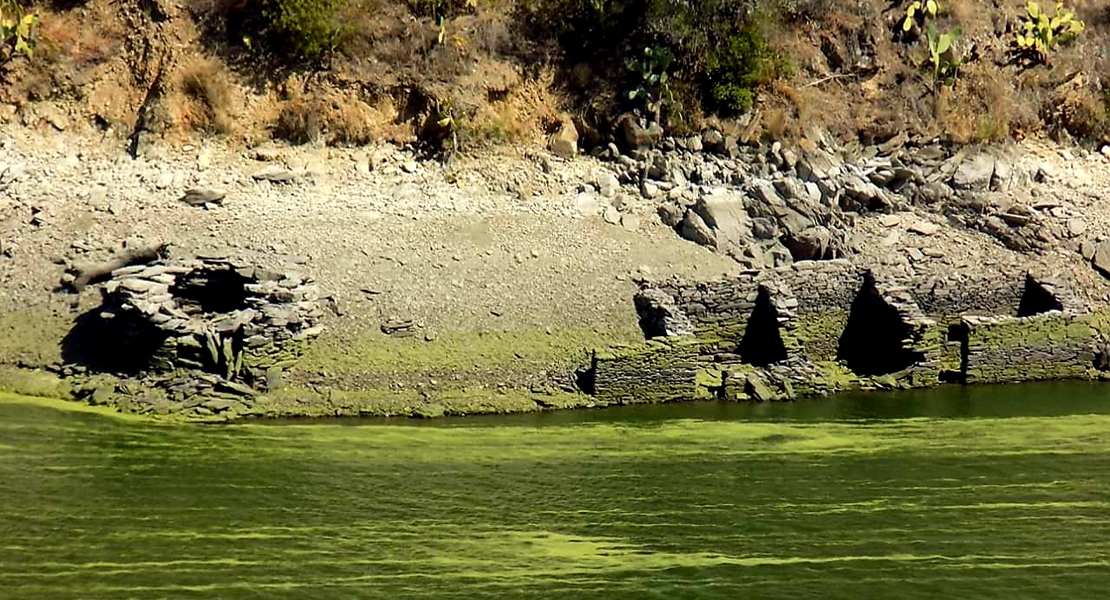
x=827 y=300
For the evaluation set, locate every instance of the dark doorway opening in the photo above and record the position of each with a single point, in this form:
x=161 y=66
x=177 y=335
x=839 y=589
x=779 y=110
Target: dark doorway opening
x=762 y=342
x=872 y=342
x=207 y=292
x=123 y=344
x=1035 y=300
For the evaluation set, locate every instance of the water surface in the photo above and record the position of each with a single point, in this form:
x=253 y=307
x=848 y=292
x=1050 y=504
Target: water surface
x=997 y=492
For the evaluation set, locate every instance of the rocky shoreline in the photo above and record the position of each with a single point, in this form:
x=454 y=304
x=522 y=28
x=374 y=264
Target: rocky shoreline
x=670 y=269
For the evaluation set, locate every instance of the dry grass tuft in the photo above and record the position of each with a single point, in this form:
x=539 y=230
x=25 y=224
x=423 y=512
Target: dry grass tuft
x=301 y=120
x=1082 y=112
x=340 y=119
x=209 y=96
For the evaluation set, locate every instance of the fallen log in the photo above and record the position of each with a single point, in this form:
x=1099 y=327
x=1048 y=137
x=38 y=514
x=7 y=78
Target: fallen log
x=131 y=256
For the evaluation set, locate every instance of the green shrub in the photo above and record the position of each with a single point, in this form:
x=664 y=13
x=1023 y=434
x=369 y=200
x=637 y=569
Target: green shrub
x=721 y=55
x=17 y=30
x=306 y=28
x=944 y=61
x=736 y=68
x=1042 y=32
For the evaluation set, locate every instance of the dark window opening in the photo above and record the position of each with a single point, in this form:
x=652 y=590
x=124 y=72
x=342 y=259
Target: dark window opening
x=207 y=292
x=1036 y=300
x=762 y=342
x=872 y=342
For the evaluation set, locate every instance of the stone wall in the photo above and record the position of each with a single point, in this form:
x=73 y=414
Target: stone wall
x=211 y=332
x=662 y=371
x=1055 y=345
x=819 y=327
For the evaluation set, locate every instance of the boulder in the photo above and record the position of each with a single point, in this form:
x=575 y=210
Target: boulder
x=933 y=192
x=275 y=174
x=630 y=222
x=639 y=137
x=1101 y=259
x=812 y=243
x=723 y=211
x=861 y=195
x=694 y=229
x=817 y=165
x=757 y=389
x=1087 y=249
x=1003 y=174
x=764 y=228
x=714 y=141
x=564 y=142
x=199 y=196
x=608 y=185
x=587 y=204
x=790 y=188
x=792 y=222
x=779 y=254
x=670 y=213
x=923 y=228
x=974 y=173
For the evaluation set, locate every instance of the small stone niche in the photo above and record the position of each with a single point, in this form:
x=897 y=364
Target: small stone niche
x=223 y=316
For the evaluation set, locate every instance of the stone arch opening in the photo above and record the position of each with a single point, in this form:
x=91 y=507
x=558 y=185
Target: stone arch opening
x=1036 y=300
x=762 y=343
x=873 y=339
x=210 y=291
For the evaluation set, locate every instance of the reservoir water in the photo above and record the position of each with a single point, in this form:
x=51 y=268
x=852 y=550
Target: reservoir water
x=990 y=492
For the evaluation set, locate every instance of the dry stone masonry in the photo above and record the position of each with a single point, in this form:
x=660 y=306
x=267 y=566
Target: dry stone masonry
x=212 y=325
x=815 y=328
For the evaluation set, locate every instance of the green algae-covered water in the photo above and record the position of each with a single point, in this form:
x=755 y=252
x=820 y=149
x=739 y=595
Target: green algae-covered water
x=958 y=493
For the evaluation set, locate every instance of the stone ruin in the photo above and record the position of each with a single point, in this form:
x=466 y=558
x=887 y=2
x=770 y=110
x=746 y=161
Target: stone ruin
x=224 y=320
x=817 y=327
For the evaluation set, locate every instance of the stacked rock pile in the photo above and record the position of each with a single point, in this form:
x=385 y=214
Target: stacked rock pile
x=218 y=315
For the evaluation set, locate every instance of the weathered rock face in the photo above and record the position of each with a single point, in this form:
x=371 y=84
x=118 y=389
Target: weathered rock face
x=221 y=316
x=1100 y=258
x=723 y=211
x=640 y=136
x=803 y=204
x=766 y=223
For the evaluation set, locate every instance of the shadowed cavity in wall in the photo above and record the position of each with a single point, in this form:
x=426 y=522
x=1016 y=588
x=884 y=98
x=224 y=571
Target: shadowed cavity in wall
x=762 y=343
x=872 y=342
x=111 y=345
x=211 y=291
x=1036 y=300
